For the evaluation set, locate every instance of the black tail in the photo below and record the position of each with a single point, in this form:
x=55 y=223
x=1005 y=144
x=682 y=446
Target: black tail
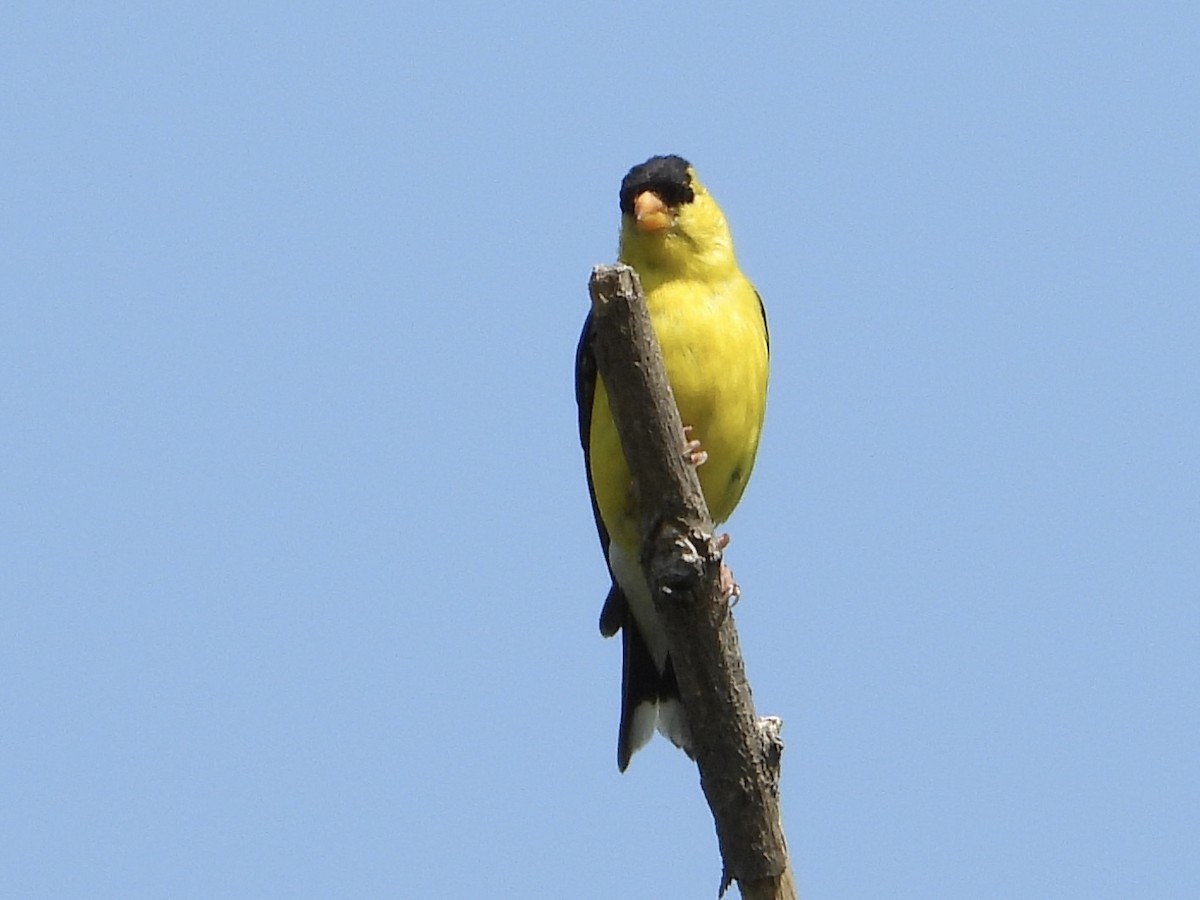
x=641 y=686
x=644 y=689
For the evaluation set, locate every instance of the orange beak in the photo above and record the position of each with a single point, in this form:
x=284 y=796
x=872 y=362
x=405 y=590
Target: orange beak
x=650 y=214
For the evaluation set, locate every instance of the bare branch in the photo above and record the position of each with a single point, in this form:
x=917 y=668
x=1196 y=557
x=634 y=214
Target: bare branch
x=737 y=755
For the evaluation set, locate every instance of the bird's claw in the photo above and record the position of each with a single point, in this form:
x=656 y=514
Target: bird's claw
x=693 y=451
x=729 y=588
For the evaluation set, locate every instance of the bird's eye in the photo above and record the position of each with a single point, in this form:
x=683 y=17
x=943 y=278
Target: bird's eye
x=675 y=194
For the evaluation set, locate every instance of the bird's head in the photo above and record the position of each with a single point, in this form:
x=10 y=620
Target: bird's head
x=671 y=227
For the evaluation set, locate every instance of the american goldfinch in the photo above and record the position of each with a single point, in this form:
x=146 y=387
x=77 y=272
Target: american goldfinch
x=712 y=329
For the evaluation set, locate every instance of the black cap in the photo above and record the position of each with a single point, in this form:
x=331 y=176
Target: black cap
x=666 y=176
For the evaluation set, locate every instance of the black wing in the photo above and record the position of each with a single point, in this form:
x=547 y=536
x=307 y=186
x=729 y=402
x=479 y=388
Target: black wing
x=641 y=681
x=612 y=616
x=766 y=330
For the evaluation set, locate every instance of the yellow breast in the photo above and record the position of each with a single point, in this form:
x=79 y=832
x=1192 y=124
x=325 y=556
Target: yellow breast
x=714 y=346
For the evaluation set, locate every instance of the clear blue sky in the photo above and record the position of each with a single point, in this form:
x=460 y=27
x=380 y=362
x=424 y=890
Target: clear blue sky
x=298 y=578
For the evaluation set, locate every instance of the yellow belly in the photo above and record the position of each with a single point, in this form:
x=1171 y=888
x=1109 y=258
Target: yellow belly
x=715 y=349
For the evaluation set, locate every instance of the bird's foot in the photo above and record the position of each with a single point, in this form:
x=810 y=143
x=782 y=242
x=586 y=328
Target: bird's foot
x=693 y=451
x=729 y=588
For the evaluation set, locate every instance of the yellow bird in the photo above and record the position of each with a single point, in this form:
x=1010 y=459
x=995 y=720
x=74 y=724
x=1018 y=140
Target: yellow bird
x=712 y=329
